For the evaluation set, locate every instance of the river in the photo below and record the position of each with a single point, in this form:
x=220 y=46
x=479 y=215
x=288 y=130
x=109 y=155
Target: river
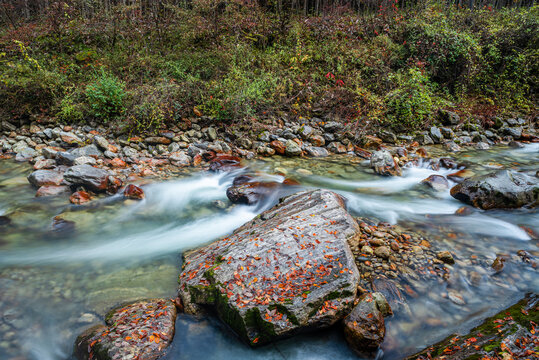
x=55 y=282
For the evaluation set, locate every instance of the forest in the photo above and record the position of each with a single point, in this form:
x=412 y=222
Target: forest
x=143 y=64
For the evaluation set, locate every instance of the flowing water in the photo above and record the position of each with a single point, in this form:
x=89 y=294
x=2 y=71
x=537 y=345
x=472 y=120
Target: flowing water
x=56 y=281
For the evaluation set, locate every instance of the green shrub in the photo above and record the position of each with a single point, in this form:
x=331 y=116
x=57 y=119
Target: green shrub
x=106 y=96
x=70 y=110
x=409 y=105
x=152 y=107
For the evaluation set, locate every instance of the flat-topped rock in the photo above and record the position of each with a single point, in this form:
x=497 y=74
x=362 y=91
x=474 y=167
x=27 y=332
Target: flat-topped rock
x=289 y=270
x=141 y=330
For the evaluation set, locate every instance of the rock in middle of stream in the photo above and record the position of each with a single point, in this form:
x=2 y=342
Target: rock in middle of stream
x=289 y=270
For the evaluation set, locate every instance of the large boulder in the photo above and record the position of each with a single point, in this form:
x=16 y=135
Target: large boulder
x=141 y=330
x=287 y=271
x=501 y=189
x=383 y=164
x=92 y=178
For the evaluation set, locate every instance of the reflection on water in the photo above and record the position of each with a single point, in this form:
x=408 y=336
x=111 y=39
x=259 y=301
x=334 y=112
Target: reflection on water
x=54 y=285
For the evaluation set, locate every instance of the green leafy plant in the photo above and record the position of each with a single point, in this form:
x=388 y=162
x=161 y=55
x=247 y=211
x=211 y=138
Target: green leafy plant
x=410 y=104
x=106 y=96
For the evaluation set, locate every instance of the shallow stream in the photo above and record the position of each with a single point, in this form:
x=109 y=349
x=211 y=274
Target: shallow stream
x=55 y=282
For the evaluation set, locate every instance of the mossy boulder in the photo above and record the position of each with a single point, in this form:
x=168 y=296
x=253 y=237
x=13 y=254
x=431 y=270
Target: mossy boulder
x=287 y=271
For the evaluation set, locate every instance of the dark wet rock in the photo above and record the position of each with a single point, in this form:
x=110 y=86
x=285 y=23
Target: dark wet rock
x=45 y=177
x=464 y=211
x=4 y=220
x=448 y=117
x=80 y=197
x=65 y=158
x=278 y=275
x=362 y=153
x=461 y=175
x=436 y=182
x=448 y=163
x=62 y=227
x=142 y=330
x=317 y=151
x=510 y=334
x=245 y=143
x=337 y=148
x=224 y=162
x=89 y=150
x=364 y=327
x=52 y=190
x=92 y=178
x=445 y=256
x=292 y=148
x=436 y=135
x=114 y=184
x=251 y=192
x=133 y=192
x=516 y=145
x=501 y=189
x=383 y=164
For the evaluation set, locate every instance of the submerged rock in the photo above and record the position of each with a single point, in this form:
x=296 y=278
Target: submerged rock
x=133 y=192
x=364 y=328
x=287 y=271
x=142 y=330
x=436 y=182
x=501 y=189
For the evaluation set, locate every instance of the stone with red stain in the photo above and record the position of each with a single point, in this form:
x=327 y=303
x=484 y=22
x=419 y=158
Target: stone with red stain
x=52 y=190
x=133 y=192
x=156 y=140
x=117 y=163
x=250 y=193
x=197 y=160
x=278 y=146
x=113 y=184
x=141 y=330
x=80 y=197
x=225 y=162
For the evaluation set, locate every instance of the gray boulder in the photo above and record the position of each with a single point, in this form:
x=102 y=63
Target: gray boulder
x=292 y=148
x=501 y=189
x=287 y=271
x=92 y=178
x=89 y=150
x=315 y=151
